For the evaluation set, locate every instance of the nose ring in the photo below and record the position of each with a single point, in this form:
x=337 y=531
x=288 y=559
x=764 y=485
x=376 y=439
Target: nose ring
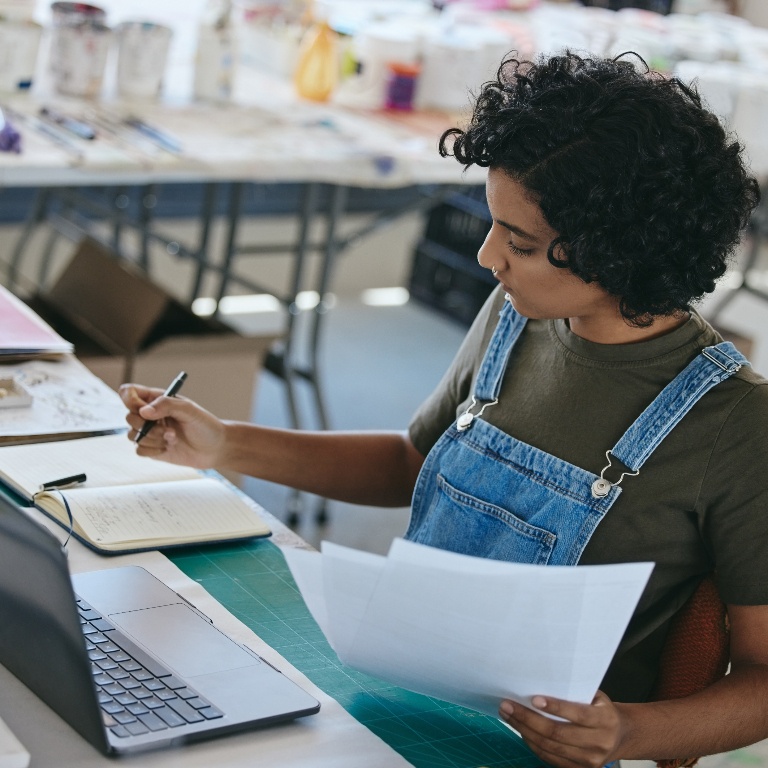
x=493 y=271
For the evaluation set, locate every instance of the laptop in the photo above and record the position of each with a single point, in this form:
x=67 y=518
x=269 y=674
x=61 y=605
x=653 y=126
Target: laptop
x=121 y=657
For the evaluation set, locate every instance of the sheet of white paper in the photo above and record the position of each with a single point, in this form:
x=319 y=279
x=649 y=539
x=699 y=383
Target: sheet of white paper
x=68 y=398
x=307 y=569
x=613 y=592
x=613 y=597
x=349 y=579
x=345 y=578
x=473 y=631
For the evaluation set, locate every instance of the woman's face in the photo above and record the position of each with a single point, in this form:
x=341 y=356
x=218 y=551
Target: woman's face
x=516 y=247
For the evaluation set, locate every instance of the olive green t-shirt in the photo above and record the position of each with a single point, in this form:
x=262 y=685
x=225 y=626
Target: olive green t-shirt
x=700 y=502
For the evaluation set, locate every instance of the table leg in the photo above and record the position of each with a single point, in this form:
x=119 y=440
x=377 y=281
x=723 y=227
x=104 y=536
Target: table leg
x=148 y=201
x=206 y=217
x=230 y=251
x=36 y=217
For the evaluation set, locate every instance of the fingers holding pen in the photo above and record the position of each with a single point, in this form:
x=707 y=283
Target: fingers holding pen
x=156 y=422
x=138 y=398
x=167 y=426
x=170 y=392
x=135 y=396
x=149 y=405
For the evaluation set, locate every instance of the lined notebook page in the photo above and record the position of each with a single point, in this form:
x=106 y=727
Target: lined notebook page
x=106 y=460
x=188 y=510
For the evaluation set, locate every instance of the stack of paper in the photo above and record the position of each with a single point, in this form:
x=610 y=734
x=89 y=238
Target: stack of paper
x=23 y=334
x=468 y=630
x=67 y=401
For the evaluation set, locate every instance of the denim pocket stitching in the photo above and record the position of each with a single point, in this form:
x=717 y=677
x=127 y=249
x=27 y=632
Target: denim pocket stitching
x=541 y=480
x=541 y=535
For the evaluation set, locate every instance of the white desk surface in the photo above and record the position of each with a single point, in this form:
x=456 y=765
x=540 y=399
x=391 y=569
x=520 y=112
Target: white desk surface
x=330 y=739
x=273 y=136
x=267 y=135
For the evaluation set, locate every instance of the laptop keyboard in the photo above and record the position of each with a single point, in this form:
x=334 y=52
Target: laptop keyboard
x=136 y=693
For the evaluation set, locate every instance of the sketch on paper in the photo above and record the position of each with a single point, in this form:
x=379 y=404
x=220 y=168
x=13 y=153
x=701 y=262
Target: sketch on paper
x=67 y=398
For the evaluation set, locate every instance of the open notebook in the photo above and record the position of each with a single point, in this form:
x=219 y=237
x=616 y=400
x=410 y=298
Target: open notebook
x=128 y=502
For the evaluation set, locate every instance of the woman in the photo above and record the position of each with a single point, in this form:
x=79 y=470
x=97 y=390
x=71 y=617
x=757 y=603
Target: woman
x=591 y=415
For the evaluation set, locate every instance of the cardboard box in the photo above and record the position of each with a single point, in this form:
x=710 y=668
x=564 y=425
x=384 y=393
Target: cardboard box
x=126 y=328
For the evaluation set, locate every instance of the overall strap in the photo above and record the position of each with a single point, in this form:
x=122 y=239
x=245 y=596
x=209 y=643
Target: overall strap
x=706 y=370
x=491 y=373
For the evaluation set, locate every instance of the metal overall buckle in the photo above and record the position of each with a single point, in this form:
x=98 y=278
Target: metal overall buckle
x=465 y=420
x=734 y=366
x=602 y=487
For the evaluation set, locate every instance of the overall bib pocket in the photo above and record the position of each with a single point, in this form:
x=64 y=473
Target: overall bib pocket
x=460 y=522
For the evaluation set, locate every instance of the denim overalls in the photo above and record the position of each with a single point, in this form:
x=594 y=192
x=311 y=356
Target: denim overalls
x=482 y=492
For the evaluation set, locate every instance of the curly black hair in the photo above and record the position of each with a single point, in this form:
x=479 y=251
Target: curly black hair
x=647 y=191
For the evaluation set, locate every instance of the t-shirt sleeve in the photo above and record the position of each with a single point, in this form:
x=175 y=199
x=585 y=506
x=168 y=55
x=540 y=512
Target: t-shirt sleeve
x=736 y=490
x=439 y=410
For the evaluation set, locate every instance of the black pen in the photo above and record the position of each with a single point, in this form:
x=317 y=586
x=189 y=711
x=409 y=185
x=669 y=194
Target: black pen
x=64 y=482
x=174 y=387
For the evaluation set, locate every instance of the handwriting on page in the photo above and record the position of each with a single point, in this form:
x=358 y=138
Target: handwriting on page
x=68 y=398
x=159 y=510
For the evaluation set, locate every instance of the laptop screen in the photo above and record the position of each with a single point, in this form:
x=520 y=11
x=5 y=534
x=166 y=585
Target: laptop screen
x=41 y=641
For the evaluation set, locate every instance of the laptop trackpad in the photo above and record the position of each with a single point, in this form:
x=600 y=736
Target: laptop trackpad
x=184 y=641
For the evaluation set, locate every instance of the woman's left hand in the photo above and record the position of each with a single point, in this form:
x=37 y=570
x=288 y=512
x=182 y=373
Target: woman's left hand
x=588 y=735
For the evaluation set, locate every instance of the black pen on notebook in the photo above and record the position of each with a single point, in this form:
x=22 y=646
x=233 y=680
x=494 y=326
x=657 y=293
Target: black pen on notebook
x=63 y=482
x=172 y=390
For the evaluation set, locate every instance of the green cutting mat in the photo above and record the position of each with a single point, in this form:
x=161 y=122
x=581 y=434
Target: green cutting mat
x=254 y=583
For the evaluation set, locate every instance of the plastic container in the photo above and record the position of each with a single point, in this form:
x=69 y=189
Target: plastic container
x=78 y=58
x=141 y=58
x=216 y=54
x=75 y=14
x=401 y=86
x=19 y=46
x=317 y=70
x=372 y=50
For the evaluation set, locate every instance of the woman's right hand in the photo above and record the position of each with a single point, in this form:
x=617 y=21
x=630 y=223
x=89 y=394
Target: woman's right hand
x=184 y=434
